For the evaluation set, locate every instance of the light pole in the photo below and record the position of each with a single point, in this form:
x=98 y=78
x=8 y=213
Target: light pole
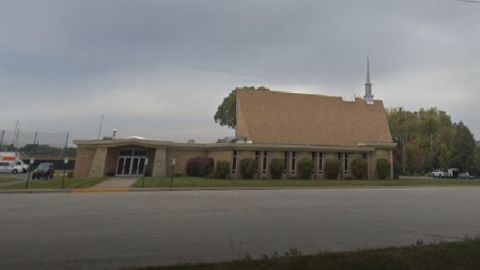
x=65 y=162
x=30 y=166
x=145 y=166
x=171 y=174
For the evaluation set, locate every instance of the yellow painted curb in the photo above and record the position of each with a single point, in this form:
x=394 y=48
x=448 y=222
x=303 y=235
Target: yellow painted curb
x=100 y=190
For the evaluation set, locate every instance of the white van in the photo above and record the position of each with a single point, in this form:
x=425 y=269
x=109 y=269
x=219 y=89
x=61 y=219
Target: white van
x=10 y=164
x=6 y=166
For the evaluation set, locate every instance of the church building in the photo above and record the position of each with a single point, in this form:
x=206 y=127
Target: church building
x=269 y=124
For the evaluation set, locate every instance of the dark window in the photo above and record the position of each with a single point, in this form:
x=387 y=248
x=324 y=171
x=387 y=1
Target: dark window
x=265 y=159
x=345 y=164
x=293 y=162
x=285 y=162
x=257 y=159
x=234 y=162
x=339 y=156
x=140 y=153
x=313 y=162
x=126 y=152
x=320 y=163
x=364 y=155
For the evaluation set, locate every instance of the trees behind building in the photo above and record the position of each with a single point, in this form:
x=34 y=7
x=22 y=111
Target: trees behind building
x=428 y=139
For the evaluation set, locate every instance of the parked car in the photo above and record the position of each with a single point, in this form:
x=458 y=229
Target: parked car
x=439 y=174
x=6 y=167
x=45 y=170
x=465 y=175
x=19 y=167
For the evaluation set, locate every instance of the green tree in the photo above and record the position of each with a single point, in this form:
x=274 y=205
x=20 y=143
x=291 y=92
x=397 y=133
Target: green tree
x=444 y=158
x=226 y=114
x=477 y=156
x=463 y=147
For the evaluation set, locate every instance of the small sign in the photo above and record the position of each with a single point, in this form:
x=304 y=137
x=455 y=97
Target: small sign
x=174 y=161
x=65 y=161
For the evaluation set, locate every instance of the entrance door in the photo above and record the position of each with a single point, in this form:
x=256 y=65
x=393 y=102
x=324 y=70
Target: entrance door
x=131 y=163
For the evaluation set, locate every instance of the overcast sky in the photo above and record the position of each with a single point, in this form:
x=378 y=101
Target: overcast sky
x=160 y=68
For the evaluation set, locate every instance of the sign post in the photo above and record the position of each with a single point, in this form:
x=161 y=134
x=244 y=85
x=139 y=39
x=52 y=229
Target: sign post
x=172 y=172
x=65 y=163
x=30 y=167
x=145 y=166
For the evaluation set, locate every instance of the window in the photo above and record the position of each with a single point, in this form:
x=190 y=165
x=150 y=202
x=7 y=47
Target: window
x=285 y=162
x=234 y=162
x=320 y=163
x=313 y=162
x=293 y=162
x=257 y=160
x=364 y=155
x=139 y=153
x=126 y=153
x=345 y=164
x=265 y=159
x=339 y=156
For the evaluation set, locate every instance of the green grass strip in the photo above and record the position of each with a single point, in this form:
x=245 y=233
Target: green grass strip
x=455 y=255
x=57 y=183
x=208 y=182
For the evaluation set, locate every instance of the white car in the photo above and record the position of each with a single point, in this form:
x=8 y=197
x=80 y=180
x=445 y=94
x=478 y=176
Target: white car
x=16 y=166
x=20 y=167
x=6 y=167
x=439 y=174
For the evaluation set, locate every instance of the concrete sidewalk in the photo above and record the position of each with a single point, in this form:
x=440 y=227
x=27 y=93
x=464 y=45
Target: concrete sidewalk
x=117 y=182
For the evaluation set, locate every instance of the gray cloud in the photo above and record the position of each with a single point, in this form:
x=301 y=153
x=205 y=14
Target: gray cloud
x=162 y=67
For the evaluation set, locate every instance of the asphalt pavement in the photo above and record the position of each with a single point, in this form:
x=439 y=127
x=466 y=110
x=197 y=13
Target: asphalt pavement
x=115 y=230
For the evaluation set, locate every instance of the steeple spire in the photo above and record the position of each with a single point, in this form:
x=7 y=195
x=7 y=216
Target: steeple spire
x=368 y=70
x=368 y=85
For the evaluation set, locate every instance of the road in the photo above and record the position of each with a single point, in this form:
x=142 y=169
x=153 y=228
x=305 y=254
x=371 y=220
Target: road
x=116 y=230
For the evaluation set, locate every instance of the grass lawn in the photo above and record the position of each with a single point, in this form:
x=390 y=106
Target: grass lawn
x=208 y=182
x=6 y=179
x=57 y=183
x=455 y=255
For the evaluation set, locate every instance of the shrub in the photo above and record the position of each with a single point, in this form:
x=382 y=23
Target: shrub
x=383 y=168
x=199 y=166
x=332 y=168
x=359 y=168
x=248 y=168
x=305 y=168
x=276 y=168
x=222 y=170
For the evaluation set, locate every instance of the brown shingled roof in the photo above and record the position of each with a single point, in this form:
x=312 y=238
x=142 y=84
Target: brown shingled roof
x=289 y=118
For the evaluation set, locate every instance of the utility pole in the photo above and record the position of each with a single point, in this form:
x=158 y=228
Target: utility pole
x=35 y=137
x=65 y=160
x=100 y=127
x=15 y=132
x=15 y=145
x=1 y=140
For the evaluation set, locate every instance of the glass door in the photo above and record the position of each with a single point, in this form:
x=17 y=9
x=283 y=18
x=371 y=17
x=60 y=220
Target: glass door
x=131 y=163
x=130 y=166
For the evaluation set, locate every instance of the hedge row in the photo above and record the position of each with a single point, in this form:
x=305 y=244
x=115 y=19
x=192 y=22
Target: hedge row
x=203 y=166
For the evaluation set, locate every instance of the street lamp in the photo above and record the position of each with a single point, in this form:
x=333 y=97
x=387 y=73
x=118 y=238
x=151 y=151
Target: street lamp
x=65 y=162
x=171 y=174
x=30 y=166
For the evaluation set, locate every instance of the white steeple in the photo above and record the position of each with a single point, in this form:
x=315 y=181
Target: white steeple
x=368 y=86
